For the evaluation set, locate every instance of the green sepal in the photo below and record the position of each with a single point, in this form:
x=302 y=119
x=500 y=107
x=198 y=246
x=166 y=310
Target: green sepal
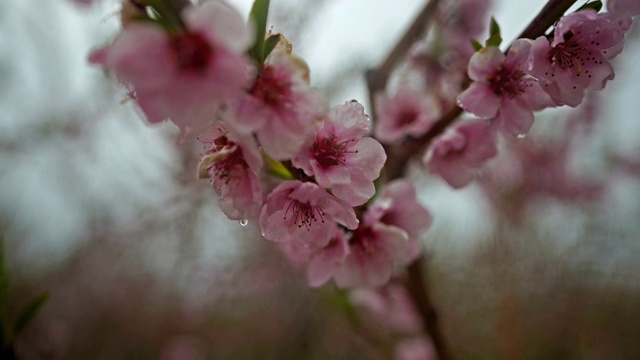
x=271 y=43
x=164 y=15
x=258 y=15
x=495 y=39
x=595 y=5
x=29 y=311
x=276 y=169
x=476 y=45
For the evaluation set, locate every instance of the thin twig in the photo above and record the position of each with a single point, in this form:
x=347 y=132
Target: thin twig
x=548 y=16
x=399 y=155
x=377 y=78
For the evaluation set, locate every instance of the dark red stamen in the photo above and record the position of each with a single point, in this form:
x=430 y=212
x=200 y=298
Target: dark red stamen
x=329 y=152
x=192 y=51
x=270 y=87
x=304 y=213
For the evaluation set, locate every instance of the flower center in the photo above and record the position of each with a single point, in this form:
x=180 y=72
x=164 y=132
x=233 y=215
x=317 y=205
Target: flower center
x=407 y=117
x=508 y=83
x=192 y=51
x=567 y=55
x=231 y=157
x=329 y=152
x=362 y=239
x=304 y=214
x=270 y=87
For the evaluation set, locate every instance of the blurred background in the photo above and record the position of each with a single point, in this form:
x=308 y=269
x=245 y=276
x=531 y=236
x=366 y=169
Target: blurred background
x=539 y=259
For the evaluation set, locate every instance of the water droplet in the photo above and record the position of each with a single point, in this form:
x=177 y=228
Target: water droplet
x=243 y=222
x=521 y=136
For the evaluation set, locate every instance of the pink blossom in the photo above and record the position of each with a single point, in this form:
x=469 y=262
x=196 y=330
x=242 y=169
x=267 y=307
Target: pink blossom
x=461 y=21
x=182 y=76
x=417 y=348
x=322 y=262
x=624 y=7
x=305 y=212
x=373 y=251
x=280 y=107
x=407 y=112
x=226 y=163
x=461 y=150
x=340 y=158
x=502 y=89
x=396 y=205
x=578 y=57
x=529 y=171
x=390 y=306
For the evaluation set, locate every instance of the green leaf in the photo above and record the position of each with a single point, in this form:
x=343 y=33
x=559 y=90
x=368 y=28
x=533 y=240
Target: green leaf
x=494 y=34
x=595 y=5
x=29 y=311
x=276 y=169
x=259 y=14
x=494 y=28
x=476 y=45
x=271 y=43
x=494 y=40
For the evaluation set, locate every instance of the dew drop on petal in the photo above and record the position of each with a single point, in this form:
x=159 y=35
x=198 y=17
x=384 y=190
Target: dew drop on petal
x=243 y=222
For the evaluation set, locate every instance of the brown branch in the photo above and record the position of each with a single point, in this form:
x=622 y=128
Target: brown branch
x=548 y=16
x=417 y=289
x=377 y=78
x=399 y=155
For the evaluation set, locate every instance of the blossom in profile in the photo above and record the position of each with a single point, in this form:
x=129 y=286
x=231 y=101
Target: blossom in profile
x=340 y=157
x=391 y=307
x=502 y=89
x=460 y=151
x=406 y=113
x=305 y=212
x=321 y=263
x=228 y=164
x=373 y=250
x=397 y=206
x=577 y=59
x=280 y=107
x=183 y=76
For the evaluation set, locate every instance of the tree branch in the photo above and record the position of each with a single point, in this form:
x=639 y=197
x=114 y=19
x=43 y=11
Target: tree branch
x=377 y=78
x=399 y=155
x=548 y=16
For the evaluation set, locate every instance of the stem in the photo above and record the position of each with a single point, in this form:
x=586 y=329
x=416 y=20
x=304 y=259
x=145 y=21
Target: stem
x=548 y=16
x=399 y=155
x=377 y=78
x=418 y=291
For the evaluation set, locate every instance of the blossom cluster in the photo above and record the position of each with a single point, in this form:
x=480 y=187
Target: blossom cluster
x=507 y=88
x=280 y=157
x=276 y=154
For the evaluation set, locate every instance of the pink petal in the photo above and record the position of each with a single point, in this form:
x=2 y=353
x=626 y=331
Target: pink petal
x=327 y=260
x=484 y=63
x=454 y=171
x=518 y=54
x=361 y=269
x=514 y=118
x=358 y=191
x=370 y=157
x=479 y=100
